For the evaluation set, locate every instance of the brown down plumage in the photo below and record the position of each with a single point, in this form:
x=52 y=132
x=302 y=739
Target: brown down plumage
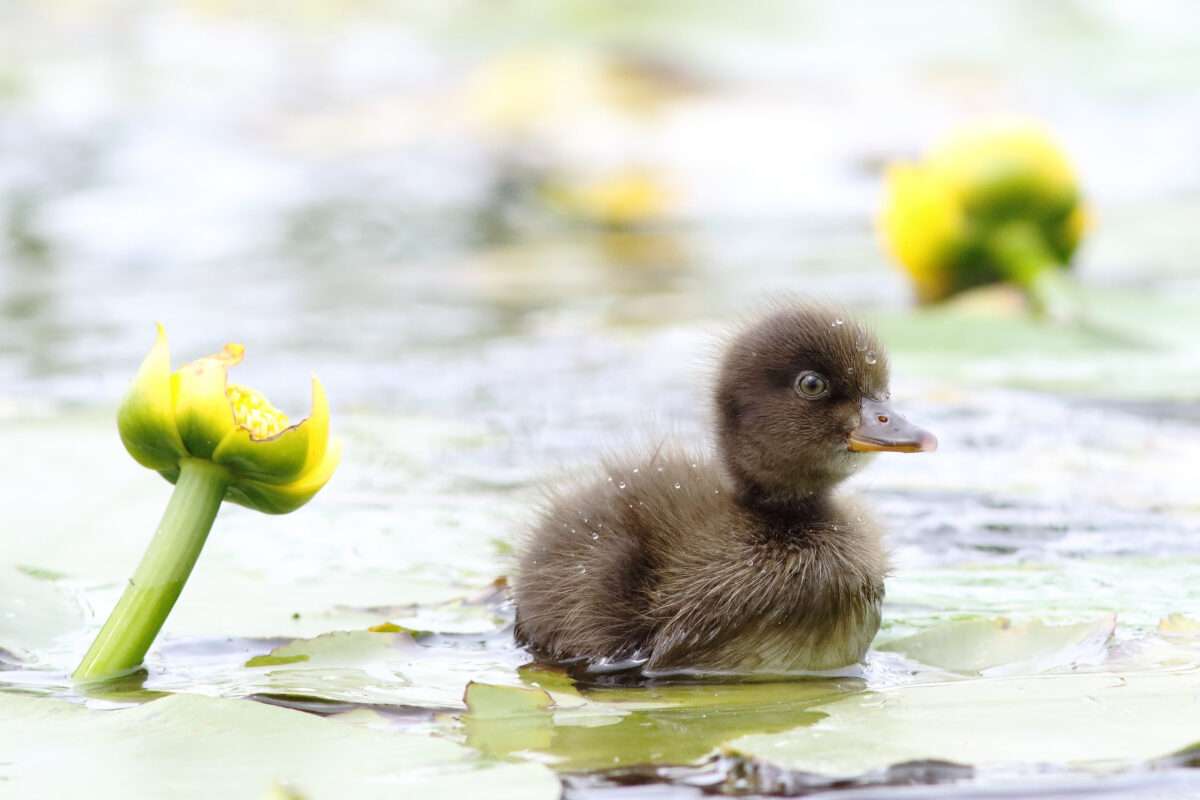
x=742 y=562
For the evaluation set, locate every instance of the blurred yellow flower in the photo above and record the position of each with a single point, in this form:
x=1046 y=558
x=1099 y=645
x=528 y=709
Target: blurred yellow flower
x=194 y=412
x=924 y=226
x=622 y=199
x=993 y=201
x=1006 y=166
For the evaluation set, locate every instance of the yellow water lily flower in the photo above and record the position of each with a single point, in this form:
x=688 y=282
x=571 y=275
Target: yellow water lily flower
x=993 y=201
x=195 y=412
x=215 y=441
x=1000 y=167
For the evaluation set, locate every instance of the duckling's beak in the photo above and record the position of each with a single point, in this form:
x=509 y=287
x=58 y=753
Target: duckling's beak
x=883 y=430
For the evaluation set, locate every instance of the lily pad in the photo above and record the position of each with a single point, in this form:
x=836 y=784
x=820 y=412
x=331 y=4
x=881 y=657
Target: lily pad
x=507 y=719
x=1140 y=590
x=191 y=746
x=37 y=618
x=485 y=701
x=999 y=647
x=1003 y=347
x=359 y=667
x=1080 y=720
x=623 y=727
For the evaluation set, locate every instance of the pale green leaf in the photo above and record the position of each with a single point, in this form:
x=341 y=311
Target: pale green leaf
x=37 y=618
x=188 y=746
x=1071 y=719
x=487 y=701
x=362 y=667
x=999 y=647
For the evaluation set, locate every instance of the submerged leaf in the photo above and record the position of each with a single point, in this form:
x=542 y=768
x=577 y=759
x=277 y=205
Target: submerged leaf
x=507 y=719
x=486 y=701
x=602 y=728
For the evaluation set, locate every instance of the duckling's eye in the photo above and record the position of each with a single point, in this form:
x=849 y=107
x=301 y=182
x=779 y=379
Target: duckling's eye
x=810 y=384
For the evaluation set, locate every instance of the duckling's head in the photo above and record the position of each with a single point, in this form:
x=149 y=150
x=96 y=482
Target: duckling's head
x=802 y=402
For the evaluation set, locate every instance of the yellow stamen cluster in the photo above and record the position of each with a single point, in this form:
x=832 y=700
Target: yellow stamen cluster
x=253 y=412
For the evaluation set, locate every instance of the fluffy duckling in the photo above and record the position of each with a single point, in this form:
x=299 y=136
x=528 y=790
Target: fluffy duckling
x=745 y=562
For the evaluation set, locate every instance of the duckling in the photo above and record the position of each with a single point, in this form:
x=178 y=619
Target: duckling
x=742 y=562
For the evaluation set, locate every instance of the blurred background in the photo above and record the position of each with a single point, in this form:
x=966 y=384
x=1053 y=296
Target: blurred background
x=438 y=205
x=507 y=234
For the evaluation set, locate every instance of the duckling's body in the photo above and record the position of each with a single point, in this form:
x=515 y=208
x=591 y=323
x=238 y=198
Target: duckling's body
x=660 y=564
x=746 y=563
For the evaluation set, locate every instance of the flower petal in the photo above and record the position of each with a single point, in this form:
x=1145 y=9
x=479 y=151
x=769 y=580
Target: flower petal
x=318 y=435
x=285 y=498
x=202 y=409
x=281 y=458
x=277 y=459
x=146 y=419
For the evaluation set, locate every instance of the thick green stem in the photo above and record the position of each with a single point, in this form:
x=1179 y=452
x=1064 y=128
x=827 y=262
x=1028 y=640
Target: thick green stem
x=146 y=602
x=1020 y=249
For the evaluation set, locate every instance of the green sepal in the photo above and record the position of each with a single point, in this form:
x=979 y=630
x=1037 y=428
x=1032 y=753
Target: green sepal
x=285 y=498
x=146 y=418
x=278 y=459
x=281 y=458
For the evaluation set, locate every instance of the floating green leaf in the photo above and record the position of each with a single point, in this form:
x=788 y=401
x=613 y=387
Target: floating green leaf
x=373 y=668
x=998 y=647
x=485 y=701
x=622 y=727
x=191 y=746
x=1063 y=719
x=507 y=719
x=36 y=617
x=978 y=344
